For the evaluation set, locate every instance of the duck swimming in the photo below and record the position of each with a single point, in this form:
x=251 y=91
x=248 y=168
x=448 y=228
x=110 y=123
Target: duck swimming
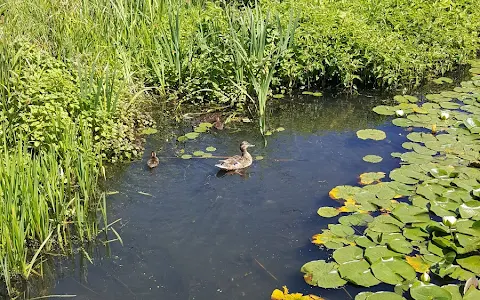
x=218 y=124
x=237 y=162
x=153 y=161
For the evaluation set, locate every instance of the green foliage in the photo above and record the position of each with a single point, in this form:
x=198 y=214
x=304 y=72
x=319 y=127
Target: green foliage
x=205 y=51
x=46 y=97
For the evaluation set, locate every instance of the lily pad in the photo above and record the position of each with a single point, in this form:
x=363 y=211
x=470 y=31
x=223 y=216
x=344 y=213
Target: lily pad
x=328 y=212
x=186 y=156
x=372 y=158
x=378 y=296
x=423 y=291
x=385 y=110
x=358 y=272
x=442 y=80
x=258 y=157
x=373 y=134
x=417 y=262
x=393 y=270
x=357 y=219
x=322 y=274
x=347 y=254
x=192 y=135
x=198 y=153
x=471 y=263
x=210 y=149
x=371 y=177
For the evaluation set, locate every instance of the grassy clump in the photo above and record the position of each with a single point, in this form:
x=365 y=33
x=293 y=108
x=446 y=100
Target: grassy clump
x=46 y=198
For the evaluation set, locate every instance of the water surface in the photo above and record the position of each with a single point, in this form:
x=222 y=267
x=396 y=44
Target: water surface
x=201 y=236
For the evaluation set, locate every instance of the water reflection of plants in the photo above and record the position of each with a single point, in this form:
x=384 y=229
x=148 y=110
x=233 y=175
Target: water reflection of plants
x=429 y=221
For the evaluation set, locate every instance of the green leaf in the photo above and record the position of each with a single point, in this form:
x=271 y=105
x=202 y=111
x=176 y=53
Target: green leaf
x=186 y=156
x=400 y=245
x=192 y=135
x=198 y=153
x=327 y=212
x=422 y=291
x=372 y=158
x=341 y=230
x=322 y=274
x=393 y=270
x=373 y=134
x=471 y=263
x=371 y=177
x=385 y=110
x=210 y=149
x=358 y=272
x=378 y=296
x=357 y=219
x=470 y=209
x=374 y=254
x=347 y=254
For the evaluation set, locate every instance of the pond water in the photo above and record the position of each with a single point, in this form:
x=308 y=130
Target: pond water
x=190 y=234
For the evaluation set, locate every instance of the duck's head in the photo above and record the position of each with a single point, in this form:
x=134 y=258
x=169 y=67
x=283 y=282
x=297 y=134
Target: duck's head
x=244 y=145
x=153 y=155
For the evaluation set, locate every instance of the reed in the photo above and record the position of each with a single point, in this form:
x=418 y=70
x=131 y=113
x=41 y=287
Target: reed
x=258 y=52
x=46 y=198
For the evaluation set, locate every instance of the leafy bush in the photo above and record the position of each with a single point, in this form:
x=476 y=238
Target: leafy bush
x=47 y=96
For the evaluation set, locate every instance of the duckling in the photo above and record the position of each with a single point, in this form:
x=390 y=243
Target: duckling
x=218 y=124
x=237 y=162
x=153 y=161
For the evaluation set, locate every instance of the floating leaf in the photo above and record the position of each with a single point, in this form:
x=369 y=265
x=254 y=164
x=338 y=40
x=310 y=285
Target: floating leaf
x=358 y=272
x=186 y=156
x=279 y=129
x=385 y=110
x=371 y=177
x=470 y=209
x=393 y=270
x=192 y=135
x=182 y=138
x=278 y=96
x=344 y=192
x=372 y=158
x=357 y=219
x=471 y=263
x=378 y=296
x=373 y=134
x=210 y=149
x=423 y=291
x=374 y=254
x=148 y=131
x=317 y=94
x=258 y=157
x=322 y=274
x=200 y=129
x=418 y=263
x=442 y=80
x=328 y=212
x=347 y=254
x=198 y=153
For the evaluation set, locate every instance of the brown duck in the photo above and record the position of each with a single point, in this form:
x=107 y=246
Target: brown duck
x=218 y=124
x=237 y=162
x=153 y=161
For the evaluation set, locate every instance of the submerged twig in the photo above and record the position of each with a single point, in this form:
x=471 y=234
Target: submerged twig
x=347 y=292
x=273 y=276
x=51 y=296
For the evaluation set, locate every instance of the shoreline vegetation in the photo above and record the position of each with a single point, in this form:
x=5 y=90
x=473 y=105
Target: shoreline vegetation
x=78 y=79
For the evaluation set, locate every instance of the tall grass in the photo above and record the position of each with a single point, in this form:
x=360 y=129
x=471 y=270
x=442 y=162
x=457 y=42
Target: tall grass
x=46 y=198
